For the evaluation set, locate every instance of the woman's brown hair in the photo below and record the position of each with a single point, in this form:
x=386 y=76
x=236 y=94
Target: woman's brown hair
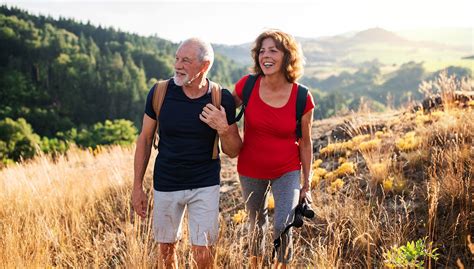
x=292 y=66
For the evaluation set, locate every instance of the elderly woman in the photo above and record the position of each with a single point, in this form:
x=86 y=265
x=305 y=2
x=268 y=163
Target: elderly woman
x=272 y=154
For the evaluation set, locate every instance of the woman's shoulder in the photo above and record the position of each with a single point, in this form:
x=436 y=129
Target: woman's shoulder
x=301 y=84
x=241 y=83
x=226 y=93
x=243 y=79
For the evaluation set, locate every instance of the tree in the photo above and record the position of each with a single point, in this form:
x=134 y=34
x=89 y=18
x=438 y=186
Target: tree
x=17 y=140
x=117 y=132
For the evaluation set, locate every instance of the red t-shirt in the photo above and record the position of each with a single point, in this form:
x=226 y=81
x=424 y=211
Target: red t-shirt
x=269 y=149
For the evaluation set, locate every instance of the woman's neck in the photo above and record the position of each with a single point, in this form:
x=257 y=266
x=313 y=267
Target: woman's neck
x=275 y=81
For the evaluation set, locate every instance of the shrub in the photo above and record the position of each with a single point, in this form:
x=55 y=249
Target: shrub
x=117 y=132
x=409 y=142
x=17 y=140
x=239 y=217
x=345 y=169
x=335 y=186
x=53 y=146
x=411 y=255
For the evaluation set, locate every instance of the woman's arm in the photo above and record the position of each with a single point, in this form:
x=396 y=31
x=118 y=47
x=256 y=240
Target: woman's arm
x=237 y=100
x=306 y=154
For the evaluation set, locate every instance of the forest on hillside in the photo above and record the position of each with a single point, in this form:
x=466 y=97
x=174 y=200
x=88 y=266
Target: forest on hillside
x=61 y=73
x=369 y=87
x=373 y=68
x=58 y=77
x=64 y=81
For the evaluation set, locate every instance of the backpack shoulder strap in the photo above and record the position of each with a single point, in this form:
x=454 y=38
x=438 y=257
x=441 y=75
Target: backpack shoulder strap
x=216 y=97
x=300 y=106
x=247 y=90
x=158 y=98
x=216 y=94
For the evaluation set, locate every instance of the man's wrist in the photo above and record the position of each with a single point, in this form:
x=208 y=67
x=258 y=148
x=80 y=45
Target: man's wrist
x=137 y=185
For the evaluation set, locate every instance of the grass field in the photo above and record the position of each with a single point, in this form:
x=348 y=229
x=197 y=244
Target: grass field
x=387 y=180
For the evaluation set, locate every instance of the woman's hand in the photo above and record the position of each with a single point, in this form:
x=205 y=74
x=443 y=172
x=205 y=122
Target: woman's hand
x=305 y=193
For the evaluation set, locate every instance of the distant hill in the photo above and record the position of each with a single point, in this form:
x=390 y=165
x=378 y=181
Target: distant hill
x=375 y=65
x=238 y=53
x=378 y=35
x=448 y=35
x=350 y=50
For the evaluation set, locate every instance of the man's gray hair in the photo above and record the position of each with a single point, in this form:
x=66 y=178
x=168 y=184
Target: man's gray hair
x=206 y=53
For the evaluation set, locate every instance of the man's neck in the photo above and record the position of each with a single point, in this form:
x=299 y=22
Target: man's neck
x=197 y=88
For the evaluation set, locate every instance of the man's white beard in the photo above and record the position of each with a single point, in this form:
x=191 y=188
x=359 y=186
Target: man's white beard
x=179 y=81
x=185 y=81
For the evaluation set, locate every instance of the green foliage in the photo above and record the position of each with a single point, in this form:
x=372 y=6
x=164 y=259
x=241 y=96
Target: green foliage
x=405 y=80
x=225 y=71
x=369 y=87
x=17 y=140
x=53 y=146
x=118 y=132
x=57 y=74
x=412 y=255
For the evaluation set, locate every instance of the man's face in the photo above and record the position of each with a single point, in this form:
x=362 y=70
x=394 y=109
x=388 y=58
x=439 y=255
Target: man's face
x=187 y=66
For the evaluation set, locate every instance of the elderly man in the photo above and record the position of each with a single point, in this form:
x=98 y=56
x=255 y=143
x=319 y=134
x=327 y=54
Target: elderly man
x=186 y=175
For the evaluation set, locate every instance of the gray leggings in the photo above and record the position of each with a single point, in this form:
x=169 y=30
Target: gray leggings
x=286 y=190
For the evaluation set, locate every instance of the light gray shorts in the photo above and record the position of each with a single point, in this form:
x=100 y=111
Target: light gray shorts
x=203 y=215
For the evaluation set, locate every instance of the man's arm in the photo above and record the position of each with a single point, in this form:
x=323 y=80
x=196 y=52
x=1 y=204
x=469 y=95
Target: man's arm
x=229 y=134
x=142 y=156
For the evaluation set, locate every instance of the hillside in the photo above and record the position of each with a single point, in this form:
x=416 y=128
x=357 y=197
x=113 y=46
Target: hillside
x=60 y=74
x=349 y=50
x=381 y=181
x=374 y=66
x=451 y=36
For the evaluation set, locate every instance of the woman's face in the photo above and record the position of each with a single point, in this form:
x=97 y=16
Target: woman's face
x=270 y=57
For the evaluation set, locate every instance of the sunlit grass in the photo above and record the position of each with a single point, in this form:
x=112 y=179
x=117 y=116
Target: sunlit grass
x=414 y=182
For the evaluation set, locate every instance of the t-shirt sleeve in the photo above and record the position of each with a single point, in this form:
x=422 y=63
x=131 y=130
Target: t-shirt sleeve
x=239 y=86
x=309 y=103
x=149 y=104
x=229 y=106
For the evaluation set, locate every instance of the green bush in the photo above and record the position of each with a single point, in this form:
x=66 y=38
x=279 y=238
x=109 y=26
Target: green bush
x=117 y=132
x=410 y=256
x=17 y=140
x=54 y=146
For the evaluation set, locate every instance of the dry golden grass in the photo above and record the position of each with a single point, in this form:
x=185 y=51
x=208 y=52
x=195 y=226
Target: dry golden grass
x=74 y=211
x=423 y=158
x=65 y=213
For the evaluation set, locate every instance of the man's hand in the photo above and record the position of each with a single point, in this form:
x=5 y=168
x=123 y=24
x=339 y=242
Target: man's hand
x=139 y=201
x=215 y=118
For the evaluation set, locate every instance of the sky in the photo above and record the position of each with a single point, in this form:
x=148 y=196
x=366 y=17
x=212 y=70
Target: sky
x=236 y=22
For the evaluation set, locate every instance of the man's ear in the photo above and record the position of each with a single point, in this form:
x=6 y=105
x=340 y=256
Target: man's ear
x=205 y=66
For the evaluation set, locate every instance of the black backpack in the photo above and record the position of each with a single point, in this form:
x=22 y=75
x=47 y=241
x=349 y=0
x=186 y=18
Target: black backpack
x=300 y=101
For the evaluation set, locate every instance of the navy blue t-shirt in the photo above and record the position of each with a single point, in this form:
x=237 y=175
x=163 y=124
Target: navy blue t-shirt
x=186 y=143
